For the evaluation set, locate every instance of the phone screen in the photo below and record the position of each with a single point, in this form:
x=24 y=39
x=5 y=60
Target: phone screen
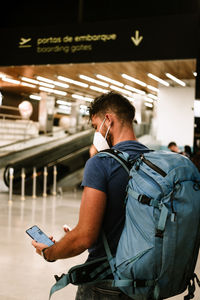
x=39 y=236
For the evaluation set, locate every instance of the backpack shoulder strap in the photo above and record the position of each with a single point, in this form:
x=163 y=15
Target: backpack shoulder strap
x=121 y=157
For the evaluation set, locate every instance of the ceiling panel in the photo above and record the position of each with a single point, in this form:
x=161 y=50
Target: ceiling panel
x=182 y=69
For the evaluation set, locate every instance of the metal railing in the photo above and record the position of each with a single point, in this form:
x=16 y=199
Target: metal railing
x=35 y=173
x=34 y=178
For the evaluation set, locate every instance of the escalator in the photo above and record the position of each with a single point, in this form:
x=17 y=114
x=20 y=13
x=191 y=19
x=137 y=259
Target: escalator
x=69 y=155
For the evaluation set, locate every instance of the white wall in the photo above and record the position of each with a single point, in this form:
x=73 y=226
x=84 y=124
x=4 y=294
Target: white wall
x=175 y=115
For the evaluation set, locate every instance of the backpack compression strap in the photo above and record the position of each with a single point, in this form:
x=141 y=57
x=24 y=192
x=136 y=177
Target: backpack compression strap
x=120 y=282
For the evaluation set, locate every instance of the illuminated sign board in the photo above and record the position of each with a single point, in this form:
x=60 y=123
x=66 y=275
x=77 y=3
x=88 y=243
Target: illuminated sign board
x=173 y=37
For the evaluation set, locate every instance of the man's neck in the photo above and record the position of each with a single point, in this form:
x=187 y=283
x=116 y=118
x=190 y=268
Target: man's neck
x=123 y=134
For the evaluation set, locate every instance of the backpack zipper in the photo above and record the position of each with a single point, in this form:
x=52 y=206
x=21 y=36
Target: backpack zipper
x=152 y=166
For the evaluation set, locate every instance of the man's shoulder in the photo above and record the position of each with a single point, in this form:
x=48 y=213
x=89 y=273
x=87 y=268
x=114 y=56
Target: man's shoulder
x=95 y=160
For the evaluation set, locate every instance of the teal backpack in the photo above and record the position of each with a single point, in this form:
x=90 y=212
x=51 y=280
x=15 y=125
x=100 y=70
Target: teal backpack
x=159 y=245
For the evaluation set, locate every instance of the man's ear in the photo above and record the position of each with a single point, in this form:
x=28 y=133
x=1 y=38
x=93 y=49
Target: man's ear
x=110 y=118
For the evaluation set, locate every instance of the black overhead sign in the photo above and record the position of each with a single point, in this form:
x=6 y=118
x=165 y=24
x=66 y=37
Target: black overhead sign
x=173 y=37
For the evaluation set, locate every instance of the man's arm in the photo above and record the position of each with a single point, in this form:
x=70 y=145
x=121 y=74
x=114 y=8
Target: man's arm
x=86 y=232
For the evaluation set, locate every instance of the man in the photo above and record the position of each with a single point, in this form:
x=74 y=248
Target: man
x=104 y=182
x=172 y=146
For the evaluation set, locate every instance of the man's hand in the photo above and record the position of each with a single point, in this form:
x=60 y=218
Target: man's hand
x=85 y=233
x=39 y=246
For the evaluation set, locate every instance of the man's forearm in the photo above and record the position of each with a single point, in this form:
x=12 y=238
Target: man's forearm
x=70 y=245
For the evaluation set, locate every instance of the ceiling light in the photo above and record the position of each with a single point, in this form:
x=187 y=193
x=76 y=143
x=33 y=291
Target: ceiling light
x=158 y=79
x=52 y=91
x=64 y=109
x=64 y=106
x=82 y=97
x=28 y=84
x=175 y=79
x=153 y=88
x=35 y=97
x=148 y=99
x=51 y=86
x=152 y=96
x=10 y=80
x=61 y=84
x=52 y=81
x=44 y=79
x=133 y=79
x=194 y=73
x=148 y=104
x=123 y=91
x=110 y=80
x=29 y=80
x=130 y=88
x=130 y=99
x=94 y=80
x=72 y=81
x=63 y=102
x=95 y=88
x=37 y=82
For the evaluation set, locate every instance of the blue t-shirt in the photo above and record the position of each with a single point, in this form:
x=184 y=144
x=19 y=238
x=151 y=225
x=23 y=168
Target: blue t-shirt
x=107 y=175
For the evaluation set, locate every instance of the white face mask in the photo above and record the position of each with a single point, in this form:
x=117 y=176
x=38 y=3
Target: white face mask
x=99 y=141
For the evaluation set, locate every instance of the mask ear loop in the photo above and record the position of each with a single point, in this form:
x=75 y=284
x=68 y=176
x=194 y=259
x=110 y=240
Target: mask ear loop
x=107 y=131
x=102 y=124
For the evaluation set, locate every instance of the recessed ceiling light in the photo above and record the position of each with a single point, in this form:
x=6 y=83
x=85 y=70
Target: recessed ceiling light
x=82 y=97
x=28 y=84
x=115 y=82
x=152 y=96
x=175 y=79
x=148 y=99
x=123 y=91
x=94 y=80
x=29 y=80
x=63 y=102
x=35 y=97
x=130 y=88
x=134 y=79
x=52 y=91
x=95 y=88
x=153 y=88
x=75 y=82
x=64 y=85
x=10 y=80
x=158 y=79
x=148 y=104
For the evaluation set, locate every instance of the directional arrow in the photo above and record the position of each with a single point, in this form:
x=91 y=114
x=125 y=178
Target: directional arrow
x=137 y=40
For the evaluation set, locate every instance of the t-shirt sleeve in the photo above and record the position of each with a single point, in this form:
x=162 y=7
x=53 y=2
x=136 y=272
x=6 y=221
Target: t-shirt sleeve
x=95 y=174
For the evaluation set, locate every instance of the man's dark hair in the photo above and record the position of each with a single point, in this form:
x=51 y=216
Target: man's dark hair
x=171 y=144
x=113 y=102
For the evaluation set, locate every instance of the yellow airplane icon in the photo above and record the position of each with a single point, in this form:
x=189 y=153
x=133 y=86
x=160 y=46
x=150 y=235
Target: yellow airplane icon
x=24 y=41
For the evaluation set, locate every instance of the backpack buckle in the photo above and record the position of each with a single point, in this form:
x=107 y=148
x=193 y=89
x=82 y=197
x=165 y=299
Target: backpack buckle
x=57 y=278
x=159 y=233
x=144 y=199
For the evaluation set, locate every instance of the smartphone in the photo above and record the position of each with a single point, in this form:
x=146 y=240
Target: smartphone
x=39 y=236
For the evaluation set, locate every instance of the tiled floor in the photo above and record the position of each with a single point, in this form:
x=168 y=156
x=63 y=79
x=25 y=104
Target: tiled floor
x=24 y=275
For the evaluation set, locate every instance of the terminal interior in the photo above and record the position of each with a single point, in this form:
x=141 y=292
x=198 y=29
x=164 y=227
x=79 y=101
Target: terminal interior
x=45 y=138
